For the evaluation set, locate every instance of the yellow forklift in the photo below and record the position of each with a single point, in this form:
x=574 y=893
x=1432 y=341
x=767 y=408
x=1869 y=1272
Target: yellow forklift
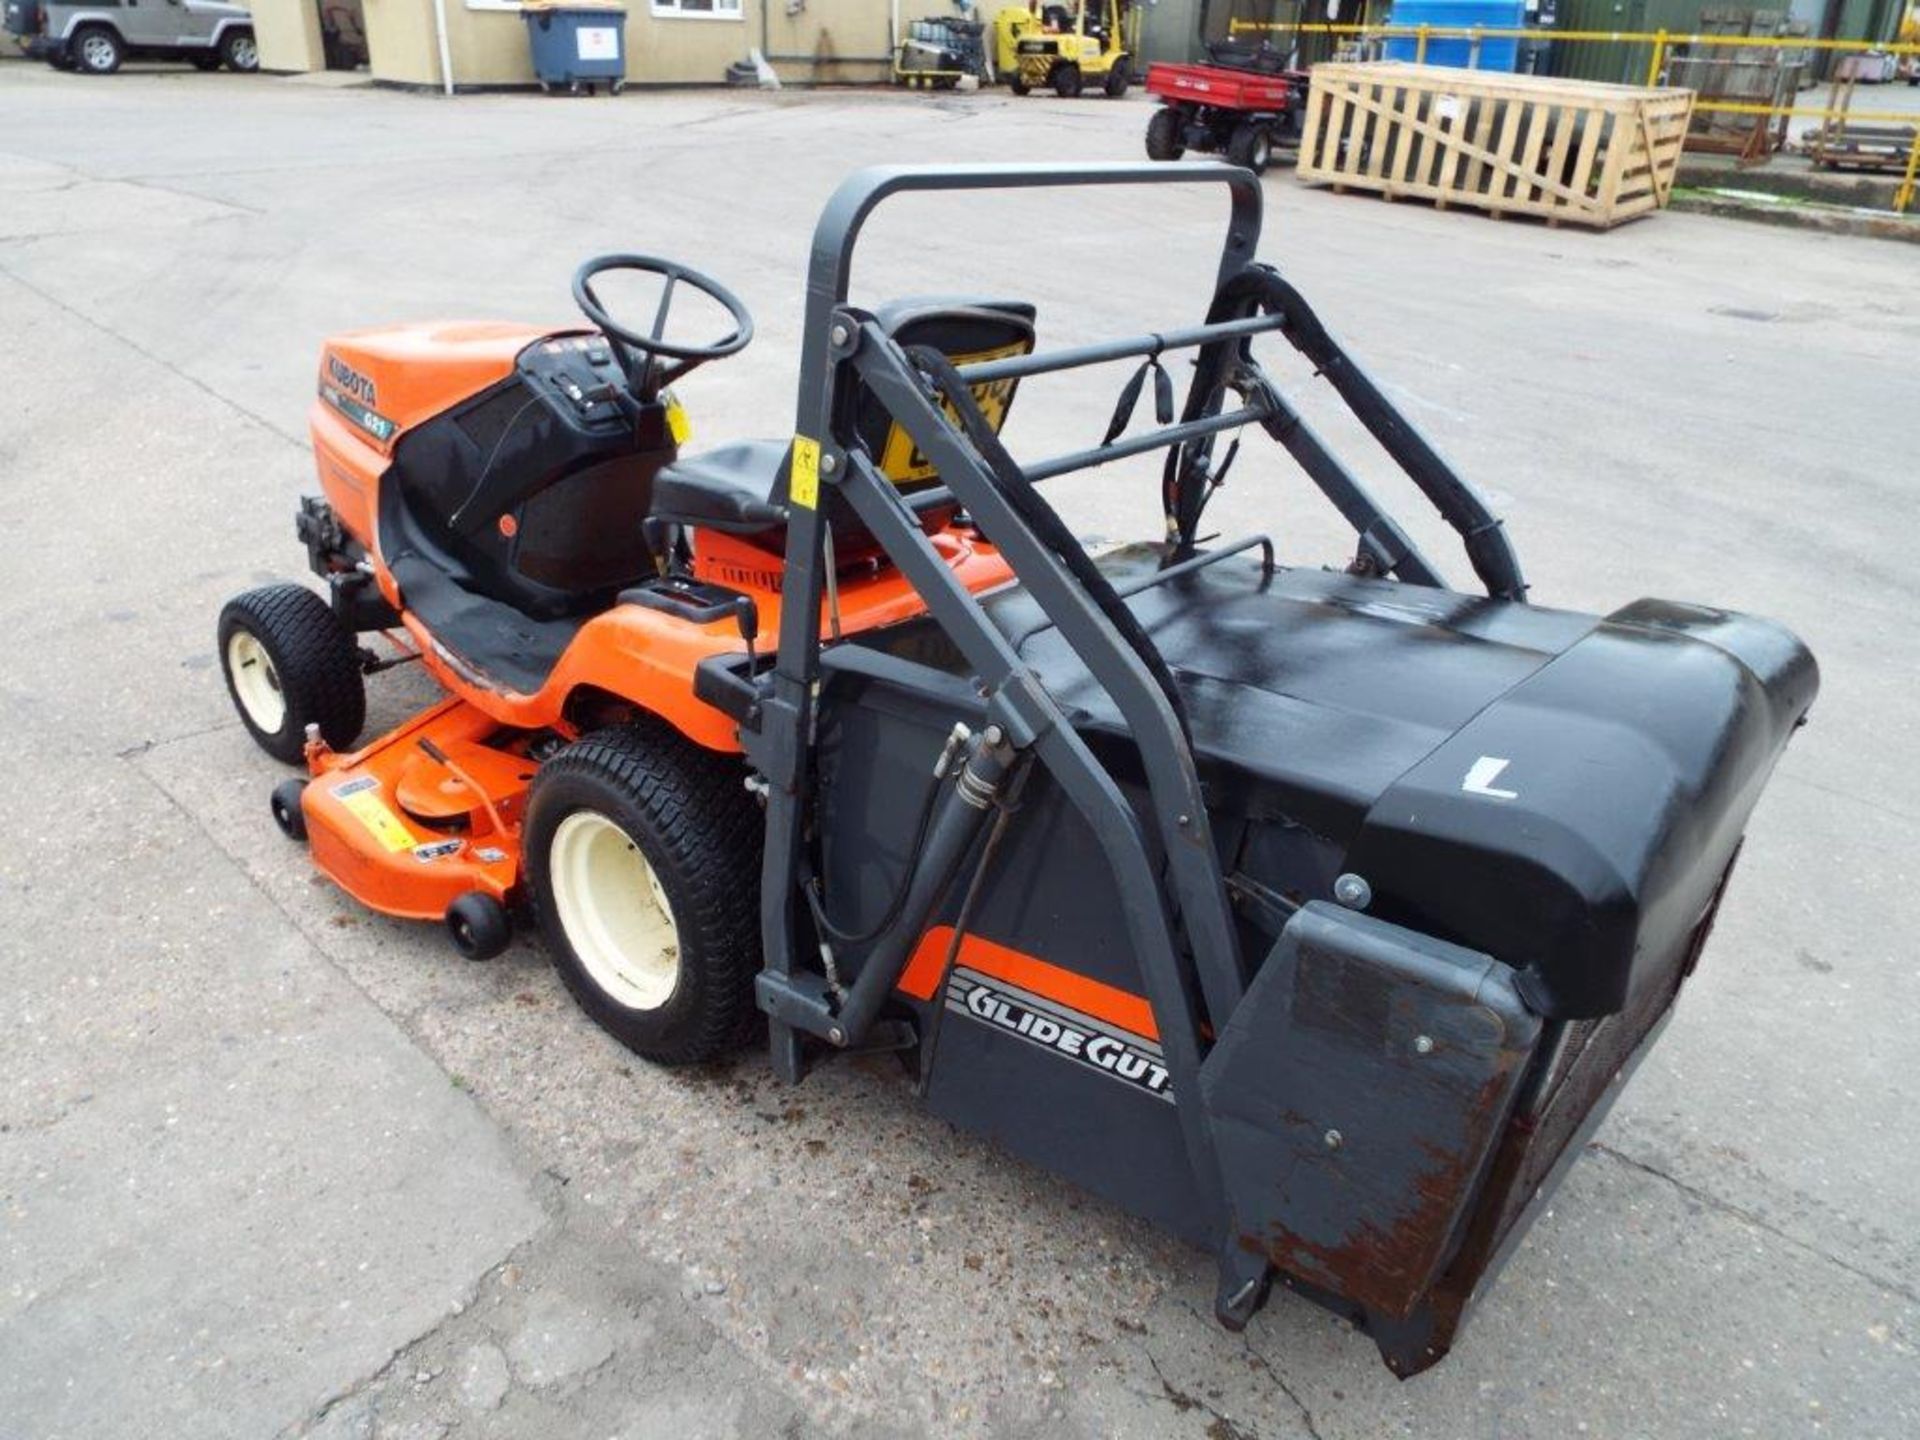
x=1065 y=46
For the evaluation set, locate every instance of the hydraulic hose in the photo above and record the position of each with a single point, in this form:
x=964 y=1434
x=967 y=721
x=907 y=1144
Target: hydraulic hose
x=962 y=812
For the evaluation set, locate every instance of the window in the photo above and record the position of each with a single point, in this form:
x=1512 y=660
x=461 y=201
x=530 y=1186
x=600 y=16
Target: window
x=698 y=9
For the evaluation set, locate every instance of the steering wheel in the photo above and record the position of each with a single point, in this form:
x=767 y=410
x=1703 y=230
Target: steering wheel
x=653 y=374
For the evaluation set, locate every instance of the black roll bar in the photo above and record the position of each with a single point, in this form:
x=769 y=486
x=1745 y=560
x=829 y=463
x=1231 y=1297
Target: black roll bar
x=1042 y=362
x=1174 y=898
x=835 y=353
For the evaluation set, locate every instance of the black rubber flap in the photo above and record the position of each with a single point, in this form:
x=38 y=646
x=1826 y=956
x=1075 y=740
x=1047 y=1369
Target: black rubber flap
x=1357 y=1093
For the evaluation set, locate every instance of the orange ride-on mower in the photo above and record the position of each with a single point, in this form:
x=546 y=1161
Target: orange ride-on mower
x=1312 y=914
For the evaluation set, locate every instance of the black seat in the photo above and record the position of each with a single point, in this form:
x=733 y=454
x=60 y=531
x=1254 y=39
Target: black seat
x=741 y=488
x=726 y=488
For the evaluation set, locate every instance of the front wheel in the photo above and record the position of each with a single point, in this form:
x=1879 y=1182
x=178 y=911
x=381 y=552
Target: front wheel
x=290 y=663
x=1118 y=79
x=98 y=51
x=240 y=52
x=1163 y=135
x=643 y=857
x=1251 y=146
x=1067 y=81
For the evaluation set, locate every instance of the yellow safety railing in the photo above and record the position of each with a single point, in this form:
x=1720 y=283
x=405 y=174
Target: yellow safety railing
x=1659 y=40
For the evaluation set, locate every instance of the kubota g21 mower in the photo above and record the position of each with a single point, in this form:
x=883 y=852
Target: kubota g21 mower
x=1311 y=914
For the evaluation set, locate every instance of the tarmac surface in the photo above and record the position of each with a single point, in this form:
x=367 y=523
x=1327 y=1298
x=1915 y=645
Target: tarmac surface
x=273 y=1166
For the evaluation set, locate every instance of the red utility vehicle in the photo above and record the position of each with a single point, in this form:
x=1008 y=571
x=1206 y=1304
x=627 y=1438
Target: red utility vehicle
x=1242 y=104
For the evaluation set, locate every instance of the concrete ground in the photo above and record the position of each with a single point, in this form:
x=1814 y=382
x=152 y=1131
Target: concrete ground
x=270 y=1165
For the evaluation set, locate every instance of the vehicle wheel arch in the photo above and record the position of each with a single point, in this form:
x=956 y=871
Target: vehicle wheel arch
x=588 y=706
x=92 y=20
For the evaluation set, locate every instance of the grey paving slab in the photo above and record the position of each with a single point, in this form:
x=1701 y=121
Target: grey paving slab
x=229 y=1185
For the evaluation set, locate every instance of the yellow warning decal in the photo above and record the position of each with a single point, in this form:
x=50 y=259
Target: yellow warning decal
x=803 y=483
x=678 y=425
x=371 y=811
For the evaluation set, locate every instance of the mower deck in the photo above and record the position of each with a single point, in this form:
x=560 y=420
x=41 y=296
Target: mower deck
x=425 y=814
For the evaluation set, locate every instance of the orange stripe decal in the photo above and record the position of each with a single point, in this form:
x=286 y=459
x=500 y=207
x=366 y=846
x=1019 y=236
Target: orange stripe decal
x=1121 y=1008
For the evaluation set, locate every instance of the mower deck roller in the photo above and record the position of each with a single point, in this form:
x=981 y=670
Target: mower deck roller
x=1313 y=915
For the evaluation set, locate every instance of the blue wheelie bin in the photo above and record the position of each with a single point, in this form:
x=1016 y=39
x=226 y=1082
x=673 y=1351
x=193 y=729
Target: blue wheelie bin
x=576 y=46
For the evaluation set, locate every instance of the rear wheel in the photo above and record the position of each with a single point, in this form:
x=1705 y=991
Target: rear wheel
x=1066 y=81
x=643 y=856
x=1251 y=145
x=1163 y=135
x=290 y=663
x=240 y=52
x=205 y=62
x=1018 y=84
x=98 y=51
x=1118 y=78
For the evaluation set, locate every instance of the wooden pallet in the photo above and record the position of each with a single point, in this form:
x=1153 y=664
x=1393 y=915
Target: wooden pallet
x=1508 y=144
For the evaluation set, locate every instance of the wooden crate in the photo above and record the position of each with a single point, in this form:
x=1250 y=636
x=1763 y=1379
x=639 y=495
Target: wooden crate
x=1507 y=144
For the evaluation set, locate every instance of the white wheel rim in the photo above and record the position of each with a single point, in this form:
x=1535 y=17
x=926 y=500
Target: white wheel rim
x=256 y=683
x=243 y=54
x=614 y=912
x=98 y=52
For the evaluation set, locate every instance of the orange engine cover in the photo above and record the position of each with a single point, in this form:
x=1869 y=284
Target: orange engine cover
x=375 y=385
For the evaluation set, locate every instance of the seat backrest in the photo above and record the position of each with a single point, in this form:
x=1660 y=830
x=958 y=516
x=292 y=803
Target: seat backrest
x=712 y=492
x=966 y=332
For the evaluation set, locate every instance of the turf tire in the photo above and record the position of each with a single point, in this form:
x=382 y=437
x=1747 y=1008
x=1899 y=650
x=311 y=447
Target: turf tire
x=1250 y=146
x=315 y=667
x=693 y=822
